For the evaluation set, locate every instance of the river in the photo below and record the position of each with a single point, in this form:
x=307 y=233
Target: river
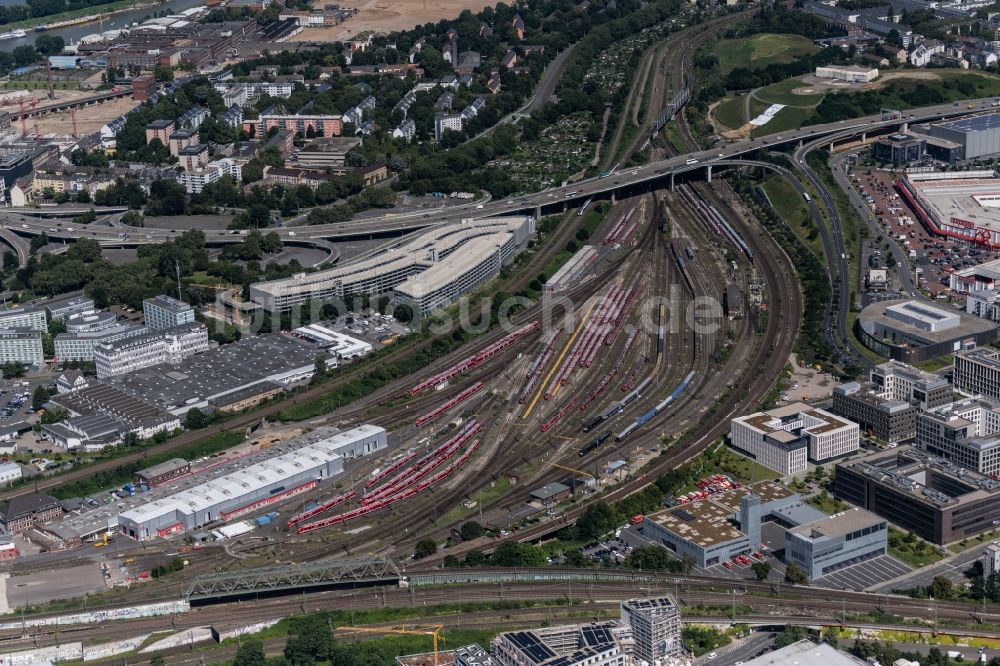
x=73 y=33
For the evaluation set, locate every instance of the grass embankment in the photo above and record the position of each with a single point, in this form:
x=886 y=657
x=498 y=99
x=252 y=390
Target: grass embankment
x=792 y=209
x=761 y=50
x=730 y=112
x=911 y=549
x=895 y=90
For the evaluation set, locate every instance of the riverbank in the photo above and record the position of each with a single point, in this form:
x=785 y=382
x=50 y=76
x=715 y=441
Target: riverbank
x=79 y=16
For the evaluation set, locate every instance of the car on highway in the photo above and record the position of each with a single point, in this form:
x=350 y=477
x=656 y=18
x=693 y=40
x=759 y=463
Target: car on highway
x=291 y=233
x=52 y=229
x=24 y=226
x=712 y=655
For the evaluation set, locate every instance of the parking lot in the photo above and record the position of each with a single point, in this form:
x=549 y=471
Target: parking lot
x=936 y=257
x=864 y=574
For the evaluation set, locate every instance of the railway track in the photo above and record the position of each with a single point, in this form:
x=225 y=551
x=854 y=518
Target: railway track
x=803 y=604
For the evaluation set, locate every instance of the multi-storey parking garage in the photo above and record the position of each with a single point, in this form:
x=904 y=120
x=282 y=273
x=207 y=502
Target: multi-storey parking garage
x=430 y=270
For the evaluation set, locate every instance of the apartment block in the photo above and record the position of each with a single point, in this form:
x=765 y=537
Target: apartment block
x=656 y=627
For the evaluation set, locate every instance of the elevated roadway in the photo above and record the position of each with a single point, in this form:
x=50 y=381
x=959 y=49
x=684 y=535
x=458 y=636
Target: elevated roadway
x=641 y=179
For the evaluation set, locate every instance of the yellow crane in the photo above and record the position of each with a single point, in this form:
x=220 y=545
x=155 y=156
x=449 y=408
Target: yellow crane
x=433 y=631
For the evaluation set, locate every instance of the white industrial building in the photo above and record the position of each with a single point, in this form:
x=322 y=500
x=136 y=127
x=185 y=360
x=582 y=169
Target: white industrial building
x=572 y=270
x=428 y=269
x=166 y=312
x=170 y=345
x=849 y=73
x=344 y=346
x=922 y=316
x=20 y=345
x=785 y=438
x=9 y=472
x=252 y=488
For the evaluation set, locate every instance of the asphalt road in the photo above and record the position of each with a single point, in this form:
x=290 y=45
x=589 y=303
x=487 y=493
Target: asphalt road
x=952 y=568
x=740 y=651
x=555 y=198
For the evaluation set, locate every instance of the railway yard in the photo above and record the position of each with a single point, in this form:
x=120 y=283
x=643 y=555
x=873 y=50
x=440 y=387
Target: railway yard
x=634 y=361
x=631 y=368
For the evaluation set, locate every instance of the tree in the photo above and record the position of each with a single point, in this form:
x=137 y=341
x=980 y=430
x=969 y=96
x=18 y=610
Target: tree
x=941 y=588
x=320 y=369
x=761 y=570
x=195 y=419
x=54 y=416
x=424 y=548
x=403 y=313
x=792 y=633
x=831 y=636
x=271 y=244
x=795 y=574
x=40 y=397
x=513 y=554
x=472 y=530
x=309 y=640
x=157 y=660
x=133 y=218
x=38 y=242
x=47 y=45
x=250 y=653
x=12 y=369
x=162 y=73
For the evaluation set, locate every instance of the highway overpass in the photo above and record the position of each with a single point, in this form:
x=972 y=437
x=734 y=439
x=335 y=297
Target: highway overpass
x=627 y=182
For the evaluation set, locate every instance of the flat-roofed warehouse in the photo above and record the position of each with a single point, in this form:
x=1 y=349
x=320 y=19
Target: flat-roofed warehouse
x=834 y=542
x=205 y=379
x=964 y=205
x=914 y=331
x=979 y=136
x=707 y=529
x=251 y=488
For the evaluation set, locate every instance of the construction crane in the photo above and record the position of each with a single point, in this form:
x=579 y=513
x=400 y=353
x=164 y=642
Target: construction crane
x=72 y=114
x=432 y=631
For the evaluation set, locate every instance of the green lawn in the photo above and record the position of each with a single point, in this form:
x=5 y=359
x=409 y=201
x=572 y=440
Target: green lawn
x=730 y=112
x=761 y=51
x=781 y=93
x=788 y=118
